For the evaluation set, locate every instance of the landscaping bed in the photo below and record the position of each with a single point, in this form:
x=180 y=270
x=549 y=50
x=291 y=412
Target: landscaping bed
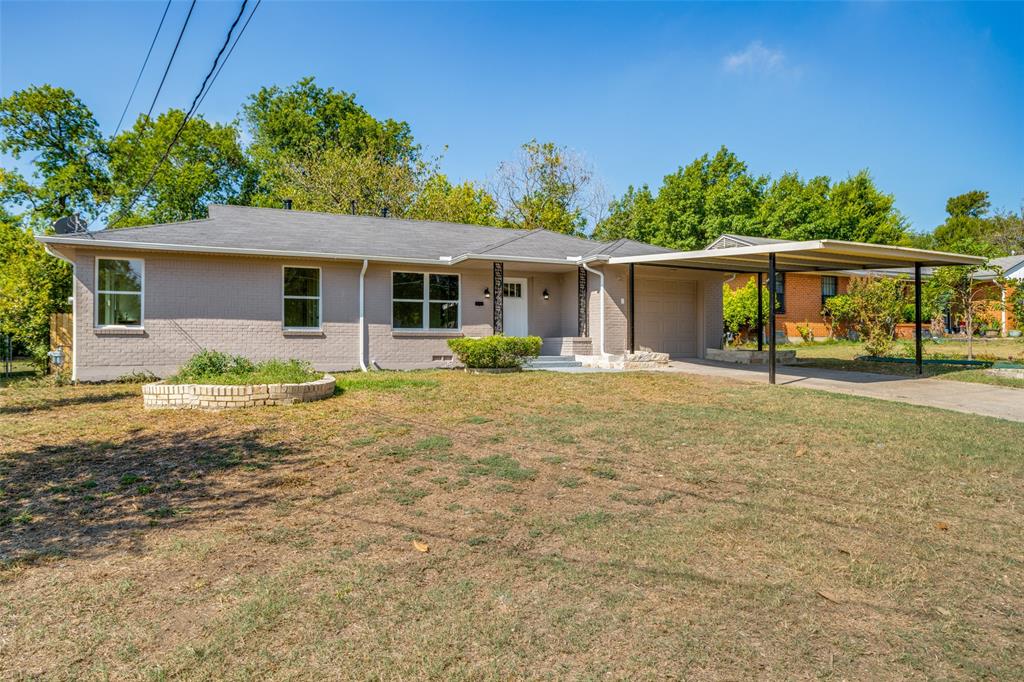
x=163 y=395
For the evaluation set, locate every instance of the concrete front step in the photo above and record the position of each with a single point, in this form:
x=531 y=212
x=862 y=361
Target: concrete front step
x=551 y=361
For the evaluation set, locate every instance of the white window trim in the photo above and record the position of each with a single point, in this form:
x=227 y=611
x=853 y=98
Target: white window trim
x=425 y=329
x=319 y=298
x=141 y=294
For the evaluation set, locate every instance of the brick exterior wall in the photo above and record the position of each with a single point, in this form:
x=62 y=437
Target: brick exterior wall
x=234 y=304
x=803 y=302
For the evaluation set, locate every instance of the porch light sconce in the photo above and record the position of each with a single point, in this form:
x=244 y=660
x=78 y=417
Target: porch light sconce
x=487 y=292
x=546 y=295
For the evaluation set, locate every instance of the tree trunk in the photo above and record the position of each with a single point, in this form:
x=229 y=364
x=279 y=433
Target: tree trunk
x=969 y=321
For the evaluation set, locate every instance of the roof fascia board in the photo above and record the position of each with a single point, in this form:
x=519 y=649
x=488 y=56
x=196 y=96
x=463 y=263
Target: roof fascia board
x=177 y=248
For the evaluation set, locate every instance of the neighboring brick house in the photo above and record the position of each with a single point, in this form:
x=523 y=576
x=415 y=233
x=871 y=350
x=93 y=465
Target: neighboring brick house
x=801 y=295
x=1010 y=269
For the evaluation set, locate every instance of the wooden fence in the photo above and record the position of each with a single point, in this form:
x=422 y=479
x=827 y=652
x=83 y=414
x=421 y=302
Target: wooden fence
x=60 y=337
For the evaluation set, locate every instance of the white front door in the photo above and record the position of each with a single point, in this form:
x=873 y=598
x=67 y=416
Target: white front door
x=514 y=321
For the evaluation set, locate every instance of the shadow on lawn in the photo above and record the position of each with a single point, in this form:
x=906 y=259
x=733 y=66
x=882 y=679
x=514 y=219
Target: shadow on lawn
x=90 y=496
x=29 y=406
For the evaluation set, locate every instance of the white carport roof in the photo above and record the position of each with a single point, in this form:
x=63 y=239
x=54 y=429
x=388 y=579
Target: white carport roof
x=818 y=255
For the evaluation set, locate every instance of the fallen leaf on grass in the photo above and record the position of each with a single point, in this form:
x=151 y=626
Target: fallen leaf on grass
x=941 y=525
x=420 y=546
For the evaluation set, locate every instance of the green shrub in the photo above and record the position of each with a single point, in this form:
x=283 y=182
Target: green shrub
x=495 y=351
x=214 y=367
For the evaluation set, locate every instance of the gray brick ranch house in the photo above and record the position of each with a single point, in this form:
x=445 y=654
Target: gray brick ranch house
x=345 y=292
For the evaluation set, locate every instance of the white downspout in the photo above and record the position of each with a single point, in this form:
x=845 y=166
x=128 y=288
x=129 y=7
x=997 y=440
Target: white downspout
x=362 y=316
x=600 y=276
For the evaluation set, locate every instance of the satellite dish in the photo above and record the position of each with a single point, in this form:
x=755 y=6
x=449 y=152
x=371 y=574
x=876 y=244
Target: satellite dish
x=70 y=225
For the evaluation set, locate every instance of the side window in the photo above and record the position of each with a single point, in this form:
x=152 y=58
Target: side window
x=302 y=298
x=119 y=287
x=829 y=287
x=780 y=291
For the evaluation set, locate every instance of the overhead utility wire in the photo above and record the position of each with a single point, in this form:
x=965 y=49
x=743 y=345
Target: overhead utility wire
x=230 y=50
x=170 y=61
x=188 y=114
x=144 y=63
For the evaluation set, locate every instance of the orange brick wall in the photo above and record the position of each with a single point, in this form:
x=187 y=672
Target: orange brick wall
x=803 y=302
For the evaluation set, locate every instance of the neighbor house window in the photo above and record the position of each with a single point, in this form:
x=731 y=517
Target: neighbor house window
x=829 y=287
x=780 y=292
x=119 y=292
x=424 y=301
x=301 y=298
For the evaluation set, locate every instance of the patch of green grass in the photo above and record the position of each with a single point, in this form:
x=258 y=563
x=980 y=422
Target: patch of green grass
x=128 y=479
x=476 y=419
x=553 y=459
x=144 y=489
x=404 y=494
x=383 y=381
x=363 y=441
x=505 y=488
x=500 y=466
x=570 y=482
x=478 y=540
x=431 y=443
x=416 y=471
x=592 y=519
x=603 y=471
x=396 y=453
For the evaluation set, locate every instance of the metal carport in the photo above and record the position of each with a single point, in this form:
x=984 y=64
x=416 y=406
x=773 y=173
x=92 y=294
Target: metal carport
x=819 y=255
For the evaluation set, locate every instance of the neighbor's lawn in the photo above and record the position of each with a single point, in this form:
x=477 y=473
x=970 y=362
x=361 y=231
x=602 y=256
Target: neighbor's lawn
x=607 y=525
x=843 y=354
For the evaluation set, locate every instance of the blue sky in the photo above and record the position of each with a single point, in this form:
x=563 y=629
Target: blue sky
x=928 y=97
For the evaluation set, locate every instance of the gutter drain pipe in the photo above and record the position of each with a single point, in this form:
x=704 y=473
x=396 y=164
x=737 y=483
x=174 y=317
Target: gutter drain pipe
x=600 y=276
x=362 y=316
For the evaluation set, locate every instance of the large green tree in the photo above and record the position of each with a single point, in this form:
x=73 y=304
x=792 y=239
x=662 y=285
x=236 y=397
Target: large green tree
x=60 y=135
x=717 y=194
x=546 y=186
x=33 y=284
x=630 y=216
x=206 y=165
x=305 y=123
x=466 y=202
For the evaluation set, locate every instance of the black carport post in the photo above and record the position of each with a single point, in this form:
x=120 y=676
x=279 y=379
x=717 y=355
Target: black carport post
x=632 y=309
x=760 y=312
x=917 y=319
x=771 y=318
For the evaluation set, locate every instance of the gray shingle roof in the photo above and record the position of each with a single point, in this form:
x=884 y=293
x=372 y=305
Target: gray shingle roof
x=732 y=240
x=270 y=230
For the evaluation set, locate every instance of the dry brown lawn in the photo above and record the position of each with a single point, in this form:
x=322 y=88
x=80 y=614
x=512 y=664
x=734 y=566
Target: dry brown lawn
x=576 y=526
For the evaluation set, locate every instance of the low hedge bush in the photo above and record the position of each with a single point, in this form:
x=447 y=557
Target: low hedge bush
x=492 y=352
x=214 y=367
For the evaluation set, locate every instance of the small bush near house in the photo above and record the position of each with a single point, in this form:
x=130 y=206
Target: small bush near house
x=495 y=351
x=214 y=367
x=805 y=332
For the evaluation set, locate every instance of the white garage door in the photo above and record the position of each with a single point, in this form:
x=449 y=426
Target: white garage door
x=666 y=316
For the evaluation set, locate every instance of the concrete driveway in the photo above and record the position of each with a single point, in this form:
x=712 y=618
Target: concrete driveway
x=990 y=401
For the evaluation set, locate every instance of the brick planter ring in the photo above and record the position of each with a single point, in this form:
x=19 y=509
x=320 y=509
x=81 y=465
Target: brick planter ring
x=164 y=396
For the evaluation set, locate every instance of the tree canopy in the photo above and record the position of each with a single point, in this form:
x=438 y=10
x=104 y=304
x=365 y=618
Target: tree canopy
x=206 y=165
x=714 y=195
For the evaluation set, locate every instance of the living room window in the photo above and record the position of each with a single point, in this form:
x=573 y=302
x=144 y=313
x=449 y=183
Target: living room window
x=119 y=292
x=425 y=301
x=302 y=309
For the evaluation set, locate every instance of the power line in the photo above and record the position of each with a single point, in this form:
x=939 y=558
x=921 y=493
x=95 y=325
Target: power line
x=191 y=109
x=144 y=63
x=171 y=60
x=228 y=55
